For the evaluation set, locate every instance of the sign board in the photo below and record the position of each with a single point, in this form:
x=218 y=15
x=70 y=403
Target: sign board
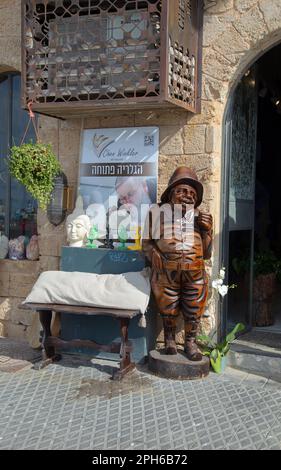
x=118 y=171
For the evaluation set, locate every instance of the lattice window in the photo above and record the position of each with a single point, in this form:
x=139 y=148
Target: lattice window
x=184 y=11
x=104 y=51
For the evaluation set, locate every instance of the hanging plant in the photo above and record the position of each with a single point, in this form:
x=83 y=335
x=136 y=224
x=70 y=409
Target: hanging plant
x=35 y=166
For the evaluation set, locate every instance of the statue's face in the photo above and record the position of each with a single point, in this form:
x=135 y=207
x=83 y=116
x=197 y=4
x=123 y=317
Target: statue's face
x=184 y=194
x=76 y=230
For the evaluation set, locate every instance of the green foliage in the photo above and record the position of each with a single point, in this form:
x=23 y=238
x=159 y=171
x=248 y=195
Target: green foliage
x=35 y=166
x=216 y=351
x=264 y=263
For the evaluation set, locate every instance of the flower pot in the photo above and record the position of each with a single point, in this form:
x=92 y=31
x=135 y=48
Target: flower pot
x=219 y=365
x=263 y=289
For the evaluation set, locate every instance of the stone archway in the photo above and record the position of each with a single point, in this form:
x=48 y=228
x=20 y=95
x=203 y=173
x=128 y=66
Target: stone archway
x=235 y=34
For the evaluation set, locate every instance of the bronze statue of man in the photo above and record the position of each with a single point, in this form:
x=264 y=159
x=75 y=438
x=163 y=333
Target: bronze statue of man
x=177 y=239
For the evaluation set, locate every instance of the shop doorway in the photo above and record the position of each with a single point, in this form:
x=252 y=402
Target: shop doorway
x=252 y=215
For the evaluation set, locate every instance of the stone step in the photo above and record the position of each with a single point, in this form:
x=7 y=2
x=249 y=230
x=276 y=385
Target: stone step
x=257 y=352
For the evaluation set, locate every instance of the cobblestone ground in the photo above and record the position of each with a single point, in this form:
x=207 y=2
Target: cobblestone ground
x=75 y=405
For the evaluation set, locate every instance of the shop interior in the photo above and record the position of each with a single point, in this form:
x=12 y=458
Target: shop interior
x=255 y=247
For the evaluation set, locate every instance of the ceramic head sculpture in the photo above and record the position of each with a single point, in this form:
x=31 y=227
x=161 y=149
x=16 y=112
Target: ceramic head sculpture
x=77 y=229
x=178 y=239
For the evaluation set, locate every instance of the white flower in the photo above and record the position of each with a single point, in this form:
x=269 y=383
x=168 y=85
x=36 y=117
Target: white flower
x=222 y=273
x=223 y=290
x=216 y=283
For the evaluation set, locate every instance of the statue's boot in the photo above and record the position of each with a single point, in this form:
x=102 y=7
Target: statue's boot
x=191 y=349
x=169 y=335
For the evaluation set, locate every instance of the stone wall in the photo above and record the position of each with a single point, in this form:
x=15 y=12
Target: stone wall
x=236 y=32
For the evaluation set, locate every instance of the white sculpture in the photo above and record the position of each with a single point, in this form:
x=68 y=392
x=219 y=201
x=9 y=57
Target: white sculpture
x=77 y=229
x=4 y=246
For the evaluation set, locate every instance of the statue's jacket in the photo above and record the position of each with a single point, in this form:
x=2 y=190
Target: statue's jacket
x=177 y=238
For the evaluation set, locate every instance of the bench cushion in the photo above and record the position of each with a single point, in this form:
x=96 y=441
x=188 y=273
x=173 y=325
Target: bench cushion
x=120 y=291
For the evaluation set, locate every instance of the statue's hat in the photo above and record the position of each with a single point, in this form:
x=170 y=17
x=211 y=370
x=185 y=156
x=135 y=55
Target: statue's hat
x=182 y=175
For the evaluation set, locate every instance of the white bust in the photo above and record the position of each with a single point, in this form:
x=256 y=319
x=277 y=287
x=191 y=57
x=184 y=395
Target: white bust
x=77 y=229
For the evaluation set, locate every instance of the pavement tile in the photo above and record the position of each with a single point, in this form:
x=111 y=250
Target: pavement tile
x=73 y=406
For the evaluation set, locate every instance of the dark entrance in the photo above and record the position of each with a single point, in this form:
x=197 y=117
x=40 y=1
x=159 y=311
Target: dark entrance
x=252 y=220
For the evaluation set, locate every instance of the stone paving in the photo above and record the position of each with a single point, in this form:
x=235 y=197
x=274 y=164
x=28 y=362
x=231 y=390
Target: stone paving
x=75 y=405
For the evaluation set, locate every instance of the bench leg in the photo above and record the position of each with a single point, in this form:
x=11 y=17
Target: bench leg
x=125 y=364
x=48 y=355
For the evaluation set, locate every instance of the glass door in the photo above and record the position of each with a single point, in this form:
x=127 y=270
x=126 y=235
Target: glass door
x=239 y=197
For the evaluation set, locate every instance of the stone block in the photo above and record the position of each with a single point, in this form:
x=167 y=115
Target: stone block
x=230 y=44
x=4 y=283
x=20 y=285
x=18 y=267
x=213 y=139
x=171 y=140
x=165 y=117
x=92 y=122
x=211 y=113
x=2 y=328
x=203 y=164
x=252 y=26
x=11 y=52
x=272 y=13
x=194 y=139
x=46 y=229
x=70 y=164
x=47 y=123
x=50 y=136
x=216 y=65
x=49 y=263
x=16 y=331
x=213 y=89
x=244 y=5
x=33 y=331
x=213 y=27
x=51 y=245
x=18 y=316
x=69 y=142
x=71 y=124
x=118 y=120
x=5 y=308
x=218 y=7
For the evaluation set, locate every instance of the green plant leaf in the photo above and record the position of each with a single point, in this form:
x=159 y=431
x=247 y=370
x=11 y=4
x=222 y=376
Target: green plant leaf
x=232 y=335
x=206 y=351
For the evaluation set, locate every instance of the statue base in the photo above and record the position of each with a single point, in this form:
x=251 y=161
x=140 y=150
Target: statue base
x=177 y=366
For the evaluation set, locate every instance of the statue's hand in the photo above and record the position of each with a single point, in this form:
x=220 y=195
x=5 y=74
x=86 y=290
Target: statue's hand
x=205 y=221
x=156 y=261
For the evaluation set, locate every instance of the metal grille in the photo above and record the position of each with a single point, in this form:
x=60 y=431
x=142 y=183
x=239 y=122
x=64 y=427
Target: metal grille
x=92 y=50
x=105 y=51
x=185 y=54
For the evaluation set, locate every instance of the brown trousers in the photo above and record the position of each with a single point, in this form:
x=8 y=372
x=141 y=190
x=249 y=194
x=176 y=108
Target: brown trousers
x=184 y=291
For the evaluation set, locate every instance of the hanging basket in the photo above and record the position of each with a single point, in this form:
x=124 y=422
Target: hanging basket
x=35 y=165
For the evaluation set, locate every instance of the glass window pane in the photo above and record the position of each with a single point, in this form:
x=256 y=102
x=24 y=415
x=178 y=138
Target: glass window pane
x=22 y=205
x=4 y=143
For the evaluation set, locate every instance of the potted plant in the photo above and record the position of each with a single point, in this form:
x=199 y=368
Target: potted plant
x=35 y=166
x=218 y=351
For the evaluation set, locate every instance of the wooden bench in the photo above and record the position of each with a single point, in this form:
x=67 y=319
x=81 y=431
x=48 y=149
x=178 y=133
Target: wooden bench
x=51 y=343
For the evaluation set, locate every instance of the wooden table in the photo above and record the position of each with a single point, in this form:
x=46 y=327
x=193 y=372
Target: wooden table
x=51 y=343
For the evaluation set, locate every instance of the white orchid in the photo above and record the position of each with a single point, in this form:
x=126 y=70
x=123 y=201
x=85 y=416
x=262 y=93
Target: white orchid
x=219 y=285
x=223 y=290
x=222 y=273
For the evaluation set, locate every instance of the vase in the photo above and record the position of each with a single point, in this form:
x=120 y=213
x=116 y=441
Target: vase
x=219 y=365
